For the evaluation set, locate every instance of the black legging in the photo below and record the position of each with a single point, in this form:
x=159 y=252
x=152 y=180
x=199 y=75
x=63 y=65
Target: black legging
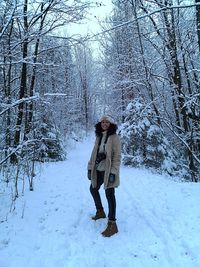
x=110 y=195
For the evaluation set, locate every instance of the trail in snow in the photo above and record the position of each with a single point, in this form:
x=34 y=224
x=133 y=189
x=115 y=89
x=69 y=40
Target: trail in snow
x=158 y=221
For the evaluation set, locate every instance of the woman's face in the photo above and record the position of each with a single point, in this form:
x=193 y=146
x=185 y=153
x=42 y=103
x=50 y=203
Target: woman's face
x=105 y=125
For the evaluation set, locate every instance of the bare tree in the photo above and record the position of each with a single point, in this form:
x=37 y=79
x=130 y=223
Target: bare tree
x=198 y=21
x=164 y=63
x=25 y=59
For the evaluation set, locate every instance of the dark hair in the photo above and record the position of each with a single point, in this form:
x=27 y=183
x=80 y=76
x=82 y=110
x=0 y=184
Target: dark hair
x=111 y=130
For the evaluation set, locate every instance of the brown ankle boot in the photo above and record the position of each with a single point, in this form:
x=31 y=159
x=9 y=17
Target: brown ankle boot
x=100 y=214
x=111 y=229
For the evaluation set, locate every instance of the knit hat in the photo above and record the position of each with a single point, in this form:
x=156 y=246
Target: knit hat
x=107 y=118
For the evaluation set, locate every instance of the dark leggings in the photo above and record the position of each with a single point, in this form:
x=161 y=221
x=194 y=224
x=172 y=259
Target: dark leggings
x=110 y=195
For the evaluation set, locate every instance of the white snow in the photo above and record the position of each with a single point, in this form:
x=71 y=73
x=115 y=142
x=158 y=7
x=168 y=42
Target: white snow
x=158 y=220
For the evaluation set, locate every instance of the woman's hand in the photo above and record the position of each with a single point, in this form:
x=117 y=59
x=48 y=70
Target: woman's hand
x=89 y=174
x=111 y=179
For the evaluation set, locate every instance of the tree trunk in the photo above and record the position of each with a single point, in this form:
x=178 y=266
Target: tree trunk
x=23 y=81
x=198 y=21
x=176 y=73
x=29 y=109
x=145 y=66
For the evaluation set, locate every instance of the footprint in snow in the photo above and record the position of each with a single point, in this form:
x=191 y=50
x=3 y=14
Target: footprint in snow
x=41 y=220
x=4 y=243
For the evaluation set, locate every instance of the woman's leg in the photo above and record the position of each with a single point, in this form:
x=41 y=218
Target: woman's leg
x=95 y=191
x=110 y=195
x=111 y=228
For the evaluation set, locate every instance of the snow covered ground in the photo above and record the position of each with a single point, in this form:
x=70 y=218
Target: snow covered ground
x=158 y=221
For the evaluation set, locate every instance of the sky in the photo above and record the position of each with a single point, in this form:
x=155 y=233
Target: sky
x=158 y=219
x=90 y=26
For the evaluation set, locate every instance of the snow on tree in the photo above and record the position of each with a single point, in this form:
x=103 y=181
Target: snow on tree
x=143 y=140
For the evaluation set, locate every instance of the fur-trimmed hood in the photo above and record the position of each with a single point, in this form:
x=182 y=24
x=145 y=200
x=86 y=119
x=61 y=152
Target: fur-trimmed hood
x=111 y=130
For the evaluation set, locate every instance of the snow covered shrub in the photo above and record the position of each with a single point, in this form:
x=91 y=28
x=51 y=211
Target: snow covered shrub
x=44 y=142
x=48 y=145
x=143 y=140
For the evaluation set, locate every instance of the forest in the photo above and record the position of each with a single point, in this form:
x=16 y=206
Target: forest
x=53 y=88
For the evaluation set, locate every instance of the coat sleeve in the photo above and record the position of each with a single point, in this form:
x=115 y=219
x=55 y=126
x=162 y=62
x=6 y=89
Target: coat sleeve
x=90 y=162
x=89 y=167
x=116 y=155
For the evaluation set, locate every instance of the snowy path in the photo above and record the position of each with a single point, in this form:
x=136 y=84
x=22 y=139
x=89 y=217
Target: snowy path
x=158 y=220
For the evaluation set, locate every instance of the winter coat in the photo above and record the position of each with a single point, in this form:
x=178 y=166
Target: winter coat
x=112 y=161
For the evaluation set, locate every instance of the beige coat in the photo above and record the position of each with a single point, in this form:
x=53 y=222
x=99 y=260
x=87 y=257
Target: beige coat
x=112 y=164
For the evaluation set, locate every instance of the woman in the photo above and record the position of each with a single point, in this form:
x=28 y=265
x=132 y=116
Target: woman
x=103 y=168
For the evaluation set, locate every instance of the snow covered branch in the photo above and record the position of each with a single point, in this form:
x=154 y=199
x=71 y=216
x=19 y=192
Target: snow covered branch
x=182 y=141
x=56 y=94
x=9 y=20
x=144 y=16
x=28 y=99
